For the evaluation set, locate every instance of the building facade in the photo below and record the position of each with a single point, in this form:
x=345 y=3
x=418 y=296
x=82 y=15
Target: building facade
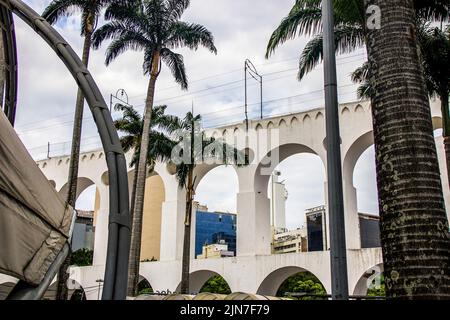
x=215 y=228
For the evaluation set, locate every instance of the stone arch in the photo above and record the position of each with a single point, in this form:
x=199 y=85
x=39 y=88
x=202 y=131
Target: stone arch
x=236 y=131
x=92 y=156
x=198 y=278
x=345 y=111
x=84 y=157
x=258 y=127
x=67 y=160
x=60 y=162
x=44 y=165
x=272 y=282
x=319 y=115
x=282 y=123
x=270 y=125
x=224 y=133
x=144 y=282
x=294 y=121
x=272 y=159
x=366 y=278
x=82 y=184
x=307 y=119
x=203 y=169
x=359 y=108
x=354 y=153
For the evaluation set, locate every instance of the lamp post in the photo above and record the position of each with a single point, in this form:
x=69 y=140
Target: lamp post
x=251 y=70
x=338 y=254
x=99 y=281
x=123 y=94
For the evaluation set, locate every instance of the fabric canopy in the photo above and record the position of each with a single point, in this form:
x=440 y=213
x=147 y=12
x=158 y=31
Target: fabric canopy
x=34 y=219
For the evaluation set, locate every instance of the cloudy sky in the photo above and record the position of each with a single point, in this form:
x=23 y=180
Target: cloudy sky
x=241 y=29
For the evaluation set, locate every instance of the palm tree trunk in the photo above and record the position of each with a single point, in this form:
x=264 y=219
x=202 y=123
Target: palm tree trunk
x=414 y=227
x=446 y=131
x=63 y=275
x=187 y=235
x=133 y=190
x=135 y=250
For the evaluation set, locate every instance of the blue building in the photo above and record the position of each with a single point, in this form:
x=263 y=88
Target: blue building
x=211 y=227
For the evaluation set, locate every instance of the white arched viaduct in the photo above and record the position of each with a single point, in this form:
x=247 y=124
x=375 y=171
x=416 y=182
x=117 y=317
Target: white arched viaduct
x=254 y=269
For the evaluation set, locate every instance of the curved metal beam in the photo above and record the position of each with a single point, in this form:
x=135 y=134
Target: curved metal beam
x=115 y=281
x=10 y=54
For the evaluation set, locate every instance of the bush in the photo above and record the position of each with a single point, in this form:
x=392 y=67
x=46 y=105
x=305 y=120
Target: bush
x=82 y=257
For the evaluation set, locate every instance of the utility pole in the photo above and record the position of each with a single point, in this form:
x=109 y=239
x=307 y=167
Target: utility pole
x=251 y=70
x=338 y=253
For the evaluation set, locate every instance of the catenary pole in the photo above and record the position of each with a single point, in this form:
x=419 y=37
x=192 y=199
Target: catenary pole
x=338 y=254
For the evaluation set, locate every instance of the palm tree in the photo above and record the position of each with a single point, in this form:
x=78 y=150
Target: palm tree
x=197 y=149
x=435 y=52
x=131 y=125
x=305 y=18
x=435 y=48
x=414 y=228
x=90 y=11
x=154 y=27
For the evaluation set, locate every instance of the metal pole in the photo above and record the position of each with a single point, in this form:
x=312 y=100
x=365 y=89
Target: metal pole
x=245 y=84
x=261 y=87
x=338 y=254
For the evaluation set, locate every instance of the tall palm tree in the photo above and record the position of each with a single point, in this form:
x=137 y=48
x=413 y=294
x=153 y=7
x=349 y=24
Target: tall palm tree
x=435 y=52
x=90 y=11
x=197 y=149
x=305 y=19
x=154 y=27
x=131 y=125
x=414 y=227
x=435 y=49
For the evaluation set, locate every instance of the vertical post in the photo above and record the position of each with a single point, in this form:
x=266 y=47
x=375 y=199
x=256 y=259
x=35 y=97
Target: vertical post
x=338 y=255
x=48 y=150
x=245 y=85
x=261 y=87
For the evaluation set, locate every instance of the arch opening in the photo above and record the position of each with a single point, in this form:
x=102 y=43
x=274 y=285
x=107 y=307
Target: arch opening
x=295 y=210
x=206 y=280
x=215 y=216
x=371 y=283
x=144 y=286
x=293 y=282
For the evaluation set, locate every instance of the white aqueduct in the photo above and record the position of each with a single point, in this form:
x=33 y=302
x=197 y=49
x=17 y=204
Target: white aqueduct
x=254 y=269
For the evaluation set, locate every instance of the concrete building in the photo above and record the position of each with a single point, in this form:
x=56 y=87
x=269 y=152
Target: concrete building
x=83 y=231
x=214 y=228
x=292 y=241
x=215 y=251
x=278 y=197
x=316 y=226
x=254 y=269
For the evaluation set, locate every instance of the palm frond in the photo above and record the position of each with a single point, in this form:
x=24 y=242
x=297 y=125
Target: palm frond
x=176 y=65
x=58 y=9
x=191 y=35
x=300 y=20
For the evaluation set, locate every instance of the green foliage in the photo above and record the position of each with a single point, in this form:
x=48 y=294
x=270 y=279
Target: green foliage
x=377 y=291
x=82 y=257
x=303 y=282
x=144 y=287
x=216 y=284
x=78 y=295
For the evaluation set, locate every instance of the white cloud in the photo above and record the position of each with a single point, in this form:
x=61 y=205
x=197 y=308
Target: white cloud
x=241 y=28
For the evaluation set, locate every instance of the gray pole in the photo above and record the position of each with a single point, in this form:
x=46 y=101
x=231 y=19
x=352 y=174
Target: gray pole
x=245 y=84
x=338 y=254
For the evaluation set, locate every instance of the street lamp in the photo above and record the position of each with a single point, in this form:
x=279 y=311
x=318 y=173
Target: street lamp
x=123 y=95
x=338 y=254
x=100 y=281
x=251 y=70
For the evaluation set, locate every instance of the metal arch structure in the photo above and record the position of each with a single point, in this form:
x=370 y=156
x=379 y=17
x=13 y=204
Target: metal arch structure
x=115 y=280
x=8 y=36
